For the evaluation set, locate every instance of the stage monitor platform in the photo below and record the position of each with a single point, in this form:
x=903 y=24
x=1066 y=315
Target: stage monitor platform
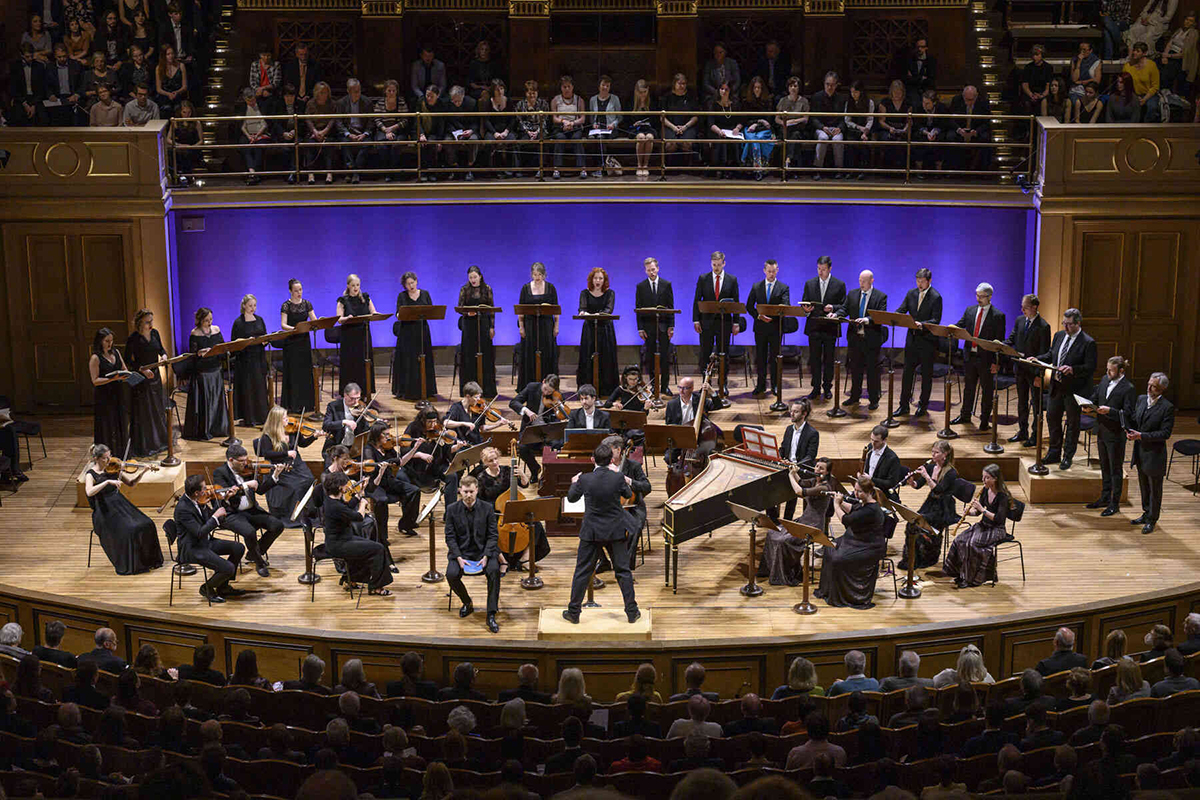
x=152 y=491
x=595 y=625
x=1079 y=484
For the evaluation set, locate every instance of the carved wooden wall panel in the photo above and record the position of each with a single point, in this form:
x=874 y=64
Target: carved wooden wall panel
x=332 y=42
x=877 y=40
x=175 y=646
x=1100 y=262
x=280 y=660
x=454 y=39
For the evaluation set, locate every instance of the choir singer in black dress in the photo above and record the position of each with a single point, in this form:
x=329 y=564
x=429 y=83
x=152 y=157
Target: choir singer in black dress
x=1114 y=397
x=472 y=535
x=538 y=333
x=923 y=304
x=354 y=346
x=298 y=389
x=607 y=527
x=983 y=321
x=250 y=400
x=246 y=516
x=205 y=418
x=477 y=334
x=849 y=569
x=412 y=340
x=655 y=331
x=110 y=412
x=597 y=337
x=366 y=561
x=148 y=429
x=128 y=537
x=195 y=523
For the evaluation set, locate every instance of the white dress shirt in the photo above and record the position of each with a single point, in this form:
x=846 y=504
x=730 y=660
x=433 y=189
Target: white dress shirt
x=796 y=431
x=873 y=459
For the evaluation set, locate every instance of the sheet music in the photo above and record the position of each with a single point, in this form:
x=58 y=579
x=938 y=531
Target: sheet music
x=573 y=509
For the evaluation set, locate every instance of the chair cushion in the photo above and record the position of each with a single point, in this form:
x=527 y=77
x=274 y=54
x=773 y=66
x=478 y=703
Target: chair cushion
x=1187 y=447
x=26 y=427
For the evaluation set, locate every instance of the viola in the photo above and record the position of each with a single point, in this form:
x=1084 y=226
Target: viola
x=553 y=402
x=353 y=490
x=483 y=412
x=116 y=466
x=211 y=492
x=296 y=424
x=256 y=469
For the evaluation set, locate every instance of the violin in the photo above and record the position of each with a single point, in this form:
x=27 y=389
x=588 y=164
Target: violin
x=256 y=469
x=353 y=490
x=116 y=466
x=553 y=402
x=296 y=424
x=483 y=412
x=211 y=492
x=365 y=467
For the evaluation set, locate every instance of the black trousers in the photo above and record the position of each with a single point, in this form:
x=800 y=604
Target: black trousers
x=1111 y=448
x=366 y=561
x=978 y=373
x=1025 y=389
x=651 y=346
x=766 y=348
x=821 y=355
x=454 y=576
x=222 y=570
x=585 y=565
x=863 y=357
x=529 y=454
x=1152 y=491
x=1063 y=442
x=712 y=342
x=246 y=525
x=918 y=353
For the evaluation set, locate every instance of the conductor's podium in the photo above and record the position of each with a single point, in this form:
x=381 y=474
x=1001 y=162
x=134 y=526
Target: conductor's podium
x=595 y=624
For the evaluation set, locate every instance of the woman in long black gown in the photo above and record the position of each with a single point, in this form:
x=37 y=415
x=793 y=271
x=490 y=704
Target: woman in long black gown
x=783 y=554
x=355 y=344
x=148 y=429
x=206 y=416
x=477 y=331
x=938 y=509
x=538 y=332
x=849 y=570
x=250 y=401
x=971 y=560
x=129 y=537
x=366 y=561
x=110 y=416
x=297 y=395
x=412 y=339
x=495 y=479
x=598 y=298
x=278 y=446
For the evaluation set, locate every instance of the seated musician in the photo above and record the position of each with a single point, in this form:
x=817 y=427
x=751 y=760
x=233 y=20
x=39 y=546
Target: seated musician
x=881 y=464
x=938 y=509
x=392 y=485
x=800 y=442
x=849 y=569
x=246 y=516
x=639 y=483
x=469 y=425
x=471 y=535
x=196 y=523
x=683 y=407
x=344 y=419
x=783 y=554
x=537 y=405
x=625 y=397
x=340 y=460
x=495 y=479
x=366 y=561
x=587 y=415
x=428 y=464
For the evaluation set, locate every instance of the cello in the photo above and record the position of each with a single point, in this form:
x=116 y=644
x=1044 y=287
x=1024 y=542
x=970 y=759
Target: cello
x=692 y=462
x=514 y=536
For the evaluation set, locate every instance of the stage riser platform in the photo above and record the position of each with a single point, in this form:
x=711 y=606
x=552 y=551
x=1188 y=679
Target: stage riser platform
x=1080 y=484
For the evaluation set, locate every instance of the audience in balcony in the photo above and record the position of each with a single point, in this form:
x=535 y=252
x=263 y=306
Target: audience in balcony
x=501 y=130
x=110 y=40
x=1179 y=57
x=720 y=69
x=100 y=74
x=1151 y=25
x=1090 y=108
x=321 y=131
x=795 y=128
x=303 y=73
x=254 y=130
x=427 y=71
x=353 y=127
x=826 y=122
x=482 y=71
x=533 y=127
x=461 y=132
x=920 y=72
x=723 y=126
x=265 y=74
x=27 y=85
x=78 y=43
x=1123 y=105
x=170 y=79
x=141 y=109
x=387 y=129
x=775 y=68
x=1114 y=16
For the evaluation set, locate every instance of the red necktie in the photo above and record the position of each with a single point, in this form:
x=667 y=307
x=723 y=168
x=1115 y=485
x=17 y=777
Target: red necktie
x=717 y=295
x=978 y=325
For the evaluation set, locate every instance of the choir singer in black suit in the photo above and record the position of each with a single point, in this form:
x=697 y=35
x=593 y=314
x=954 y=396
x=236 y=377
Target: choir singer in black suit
x=1113 y=398
x=711 y=286
x=800 y=442
x=682 y=409
x=767 y=339
x=1073 y=354
x=1151 y=426
x=195 y=524
x=881 y=464
x=923 y=304
x=864 y=338
x=247 y=516
x=472 y=535
x=1030 y=336
x=344 y=419
x=656 y=331
x=826 y=293
x=607 y=527
x=983 y=321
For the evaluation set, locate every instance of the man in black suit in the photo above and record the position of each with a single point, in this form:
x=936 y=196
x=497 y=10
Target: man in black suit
x=752 y=720
x=1113 y=398
x=970 y=131
x=27 y=86
x=534 y=405
x=920 y=72
x=775 y=67
x=344 y=419
x=655 y=331
x=881 y=464
x=471 y=535
x=923 y=304
x=105 y=655
x=682 y=409
x=826 y=294
x=1030 y=336
x=195 y=525
x=713 y=286
x=527 y=681
x=302 y=72
x=800 y=442
x=864 y=338
x=637 y=724
x=641 y=487
x=1150 y=428
x=312 y=669
x=1073 y=354
x=767 y=338
x=586 y=415
x=63 y=76
x=413 y=684
x=50 y=651
x=1064 y=656
x=983 y=321
x=606 y=527
x=247 y=517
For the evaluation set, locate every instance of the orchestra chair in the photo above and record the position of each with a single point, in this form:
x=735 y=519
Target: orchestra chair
x=92 y=537
x=26 y=428
x=319 y=554
x=889 y=526
x=330 y=361
x=457 y=364
x=177 y=565
x=5 y=464
x=739 y=353
x=182 y=386
x=450 y=592
x=1187 y=448
x=1010 y=541
x=1087 y=426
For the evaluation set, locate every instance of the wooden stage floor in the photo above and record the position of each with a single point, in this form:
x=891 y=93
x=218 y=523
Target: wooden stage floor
x=1072 y=555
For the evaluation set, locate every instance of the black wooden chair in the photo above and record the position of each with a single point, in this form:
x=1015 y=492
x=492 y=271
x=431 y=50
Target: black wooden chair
x=1015 y=513
x=179 y=568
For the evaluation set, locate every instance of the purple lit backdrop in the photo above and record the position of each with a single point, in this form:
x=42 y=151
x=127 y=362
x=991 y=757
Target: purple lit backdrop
x=257 y=250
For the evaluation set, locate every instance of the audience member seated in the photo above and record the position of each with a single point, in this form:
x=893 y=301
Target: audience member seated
x=1090 y=108
x=212 y=764
x=826 y=122
x=391 y=128
x=311 y=671
x=946 y=788
x=1065 y=761
x=172 y=735
x=1176 y=680
x=431 y=130
x=969 y=668
x=1098 y=716
x=1159 y=639
x=752 y=720
x=265 y=74
x=1114 y=648
x=681 y=118
x=1007 y=760
x=802 y=680
x=1064 y=656
x=697 y=720
x=1031 y=689
x=585 y=773
x=350 y=709
x=483 y=71
x=637 y=759
x=254 y=130
x=1035 y=81
x=10 y=719
x=279 y=746
x=136 y=70
x=27 y=86
x=792 y=119
x=1123 y=105
x=354 y=679
x=129 y=695
x=696 y=748
x=63 y=78
x=245 y=671
x=637 y=723
x=413 y=684
x=140 y=110
x=757 y=745
x=1038 y=733
x=931 y=128
x=1191 y=632
x=464 y=685
x=818 y=742
x=993 y=738
x=527 y=680
x=237 y=709
x=201 y=667
x=170 y=81
x=643 y=684
x=1186 y=746
x=964 y=705
x=395 y=745
x=514 y=720
x=337 y=739
x=909 y=664
x=111 y=729
x=70 y=724
x=1113 y=748
x=856 y=715
x=571 y=690
x=105 y=112
x=723 y=128
x=856 y=678
x=29 y=679
x=321 y=131
x=1079 y=690
x=693 y=677
x=84 y=691
x=352 y=126
x=572 y=735
x=461 y=719
x=10 y=640
x=463 y=126
x=148 y=663
x=916 y=700
x=928 y=740
x=1144 y=72
x=977 y=130
x=182 y=695
x=1130 y=684
x=454 y=754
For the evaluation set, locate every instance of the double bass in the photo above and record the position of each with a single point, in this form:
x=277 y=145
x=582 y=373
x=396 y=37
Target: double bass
x=692 y=462
x=514 y=536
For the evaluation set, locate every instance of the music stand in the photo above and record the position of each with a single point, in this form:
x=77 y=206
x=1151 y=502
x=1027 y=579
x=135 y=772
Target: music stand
x=432 y=576
x=467 y=457
x=910 y=590
x=538 y=509
x=993 y=346
x=779 y=312
x=760 y=443
x=500 y=439
x=755 y=518
x=810 y=535
x=836 y=409
x=724 y=309
x=657 y=311
x=478 y=313
x=622 y=420
x=596 y=319
x=312 y=326
x=661 y=438
x=227 y=349
x=893 y=321
x=946 y=332
x=1051 y=373
x=368 y=350
x=583 y=443
x=543 y=433
x=421 y=314
x=537 y=310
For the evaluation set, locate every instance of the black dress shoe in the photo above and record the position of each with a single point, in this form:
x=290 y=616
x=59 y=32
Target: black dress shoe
x=466 y=610
x=1019 y=436
x=18 y=476
x=1139 y=520
x=1029 y=443
x=921 y=411
x=1148 y=527
x=213 y=597
x=1051 y=456
x=263 y=572
x=571 y=618
x=1065 y=464
x=229 y=591
x=901 y=411
x=851 y=401
x=1108 y=512
x=873 y=406
x=603 y=566
x=1101 y=503
x=633 y=616
x=759 y=391
x=960 y=420
x=828 y=395
x=491 y=623
x=815 y=394
x=983 y=426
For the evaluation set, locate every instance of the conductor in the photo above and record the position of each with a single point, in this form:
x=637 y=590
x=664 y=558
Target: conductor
x=606 y=527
